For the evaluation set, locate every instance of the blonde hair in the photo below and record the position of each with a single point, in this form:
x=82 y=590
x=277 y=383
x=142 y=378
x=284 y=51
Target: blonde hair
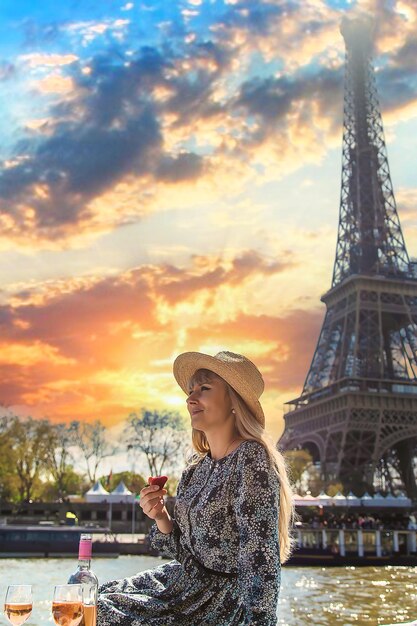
x=249 y=428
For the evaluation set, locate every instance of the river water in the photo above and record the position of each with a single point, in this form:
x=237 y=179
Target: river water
x=344 y=596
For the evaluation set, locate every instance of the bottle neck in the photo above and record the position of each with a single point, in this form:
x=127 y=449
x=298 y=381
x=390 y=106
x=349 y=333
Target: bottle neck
x=84 y=564
x=85 y=548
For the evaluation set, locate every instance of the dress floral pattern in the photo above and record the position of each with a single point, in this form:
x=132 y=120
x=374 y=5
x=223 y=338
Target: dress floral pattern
x=226 y=568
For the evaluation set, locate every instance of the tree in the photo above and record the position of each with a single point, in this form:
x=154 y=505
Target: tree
x=314 y=480
x=334 y=487
x=59 y=459
x=29 y=441
x=73 y=484
x=8 y=475
x=159 y=435
x=134 y=482
x=92 y=441
x=298 y=462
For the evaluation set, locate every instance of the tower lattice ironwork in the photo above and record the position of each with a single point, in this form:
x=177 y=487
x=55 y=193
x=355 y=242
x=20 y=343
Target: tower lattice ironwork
x=359 y=400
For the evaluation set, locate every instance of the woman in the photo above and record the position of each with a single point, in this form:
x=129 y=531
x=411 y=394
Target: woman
x=232 y=515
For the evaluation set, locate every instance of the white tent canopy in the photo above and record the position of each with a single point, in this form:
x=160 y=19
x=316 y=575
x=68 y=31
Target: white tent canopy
x=378 y=500
x=324 y=497
x=97 y=493
x=305 y=500
x=352 y=500
x=339 y=499
x=122 y=490
x=402 y=500
x=121 y=494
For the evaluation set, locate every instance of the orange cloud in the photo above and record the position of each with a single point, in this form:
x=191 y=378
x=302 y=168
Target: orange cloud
x=282 y=347
x=104 y=347
x=31 y=354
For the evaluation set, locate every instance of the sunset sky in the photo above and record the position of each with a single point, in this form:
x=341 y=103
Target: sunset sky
x=170 y=181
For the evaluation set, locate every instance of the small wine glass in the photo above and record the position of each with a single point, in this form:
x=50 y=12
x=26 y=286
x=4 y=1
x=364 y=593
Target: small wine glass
x=18 y=603
x=67 y=605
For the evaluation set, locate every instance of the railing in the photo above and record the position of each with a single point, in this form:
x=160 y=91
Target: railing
x=363 y=543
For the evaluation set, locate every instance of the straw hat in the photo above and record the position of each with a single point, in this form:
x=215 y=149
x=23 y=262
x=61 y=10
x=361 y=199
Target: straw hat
x=235 y=369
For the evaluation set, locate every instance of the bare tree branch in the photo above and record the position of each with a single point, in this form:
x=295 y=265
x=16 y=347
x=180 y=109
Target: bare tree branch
x=159 y=435
x=59 y=456
x=92 y=442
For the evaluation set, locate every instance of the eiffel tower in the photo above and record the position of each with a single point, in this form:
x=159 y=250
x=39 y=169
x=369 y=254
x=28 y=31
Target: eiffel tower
x=357 y=413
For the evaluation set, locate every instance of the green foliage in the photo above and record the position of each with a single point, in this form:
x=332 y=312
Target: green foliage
x=8 y=476
x=333 y=488
x=298 y=461
x=36 y=461
x=134 y=482
x=70 y=483
x=29 y=442
x=37 y=456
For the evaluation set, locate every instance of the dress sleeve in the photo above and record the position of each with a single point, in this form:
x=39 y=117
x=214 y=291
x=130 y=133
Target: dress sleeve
x=169 y=543
x=257 y=514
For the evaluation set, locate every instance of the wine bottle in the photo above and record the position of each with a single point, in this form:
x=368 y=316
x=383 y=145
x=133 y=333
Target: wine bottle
x=86 y=577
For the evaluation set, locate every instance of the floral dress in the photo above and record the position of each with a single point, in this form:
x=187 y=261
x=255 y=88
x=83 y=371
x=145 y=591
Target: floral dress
x=226 y=568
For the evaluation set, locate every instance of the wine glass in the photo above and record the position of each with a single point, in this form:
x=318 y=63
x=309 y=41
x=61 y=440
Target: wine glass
x=18 y=603
x=67 y=605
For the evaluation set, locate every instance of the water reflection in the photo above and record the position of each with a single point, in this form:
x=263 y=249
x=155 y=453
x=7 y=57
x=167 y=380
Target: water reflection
x=347 y=596
x=323 y=596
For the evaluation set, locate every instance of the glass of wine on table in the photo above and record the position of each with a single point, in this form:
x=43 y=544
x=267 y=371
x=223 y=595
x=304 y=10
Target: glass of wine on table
x=18 y=603
x=67 y=605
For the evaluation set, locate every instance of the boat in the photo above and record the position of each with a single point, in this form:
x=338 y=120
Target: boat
x=46 y=540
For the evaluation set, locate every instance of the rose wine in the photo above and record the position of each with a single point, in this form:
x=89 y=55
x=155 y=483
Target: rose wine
x=67 y=613
x=90 y=614
x=17 y=613
x=85 y=576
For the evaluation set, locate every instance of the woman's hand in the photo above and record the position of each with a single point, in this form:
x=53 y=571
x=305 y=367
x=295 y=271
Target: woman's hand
x=152 y=502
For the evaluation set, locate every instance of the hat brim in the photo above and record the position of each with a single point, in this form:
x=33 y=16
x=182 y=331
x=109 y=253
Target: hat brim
x=186 y=364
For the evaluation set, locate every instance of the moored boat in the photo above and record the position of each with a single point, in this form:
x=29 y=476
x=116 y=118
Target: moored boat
x=53 y=541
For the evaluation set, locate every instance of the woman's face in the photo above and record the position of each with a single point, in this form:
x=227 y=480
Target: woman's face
x=208 y=403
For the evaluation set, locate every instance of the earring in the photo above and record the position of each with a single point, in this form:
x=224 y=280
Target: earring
x=233 y=411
